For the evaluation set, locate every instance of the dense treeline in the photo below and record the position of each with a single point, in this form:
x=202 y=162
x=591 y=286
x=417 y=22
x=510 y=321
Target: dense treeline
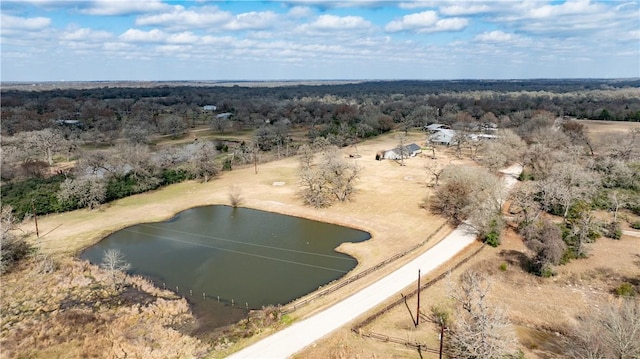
x=110 y=133
x=105 y=108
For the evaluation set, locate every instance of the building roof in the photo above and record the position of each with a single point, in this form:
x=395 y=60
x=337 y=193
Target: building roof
x=443 y=136
x=436 y=127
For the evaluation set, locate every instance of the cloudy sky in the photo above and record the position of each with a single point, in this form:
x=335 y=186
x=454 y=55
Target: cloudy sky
x=53 y=40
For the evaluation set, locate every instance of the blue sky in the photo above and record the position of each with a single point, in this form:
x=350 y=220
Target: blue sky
x=101 y=40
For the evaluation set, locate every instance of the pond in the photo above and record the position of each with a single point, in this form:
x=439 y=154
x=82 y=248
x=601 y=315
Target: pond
x=248 y=256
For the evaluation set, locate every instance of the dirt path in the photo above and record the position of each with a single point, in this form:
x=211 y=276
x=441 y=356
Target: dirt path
x=301 y=334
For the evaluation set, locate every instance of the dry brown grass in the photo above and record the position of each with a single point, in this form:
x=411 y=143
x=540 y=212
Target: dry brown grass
x=386 y=205
x=70 y=313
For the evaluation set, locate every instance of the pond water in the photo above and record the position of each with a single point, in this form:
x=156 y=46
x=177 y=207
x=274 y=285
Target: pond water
x=248 y=256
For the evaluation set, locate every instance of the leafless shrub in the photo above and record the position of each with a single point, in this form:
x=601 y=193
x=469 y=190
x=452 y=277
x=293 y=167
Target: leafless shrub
x=114 y=263
x=545 y=240
x=12 y=248
x=235 y=195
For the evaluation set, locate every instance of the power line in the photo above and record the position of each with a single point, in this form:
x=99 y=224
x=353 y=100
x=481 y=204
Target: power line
x=248 y=244
x=239 y=252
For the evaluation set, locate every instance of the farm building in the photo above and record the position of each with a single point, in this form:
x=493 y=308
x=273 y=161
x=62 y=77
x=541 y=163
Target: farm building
x=435 y=127
x=407 y=151
x=443 y=137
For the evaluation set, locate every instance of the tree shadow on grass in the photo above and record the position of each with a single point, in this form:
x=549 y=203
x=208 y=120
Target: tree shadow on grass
x=513 y=257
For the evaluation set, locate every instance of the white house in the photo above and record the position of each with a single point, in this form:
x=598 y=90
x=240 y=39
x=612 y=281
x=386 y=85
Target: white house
x=435 y=127
x=443 y=137
x=410 y=150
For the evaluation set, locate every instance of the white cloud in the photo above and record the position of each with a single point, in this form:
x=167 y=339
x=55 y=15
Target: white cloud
x=179 y=17
x=413 y=21
x=183 y=38
x=332 y=4
x=333 y=22
x=426 y=21
x=467 y=9
x=135 y=35
x=572 y=7
x=121 y=7
x=252 y=21
x=118 y=46
x=496 y=36
x=86 y=34
x=24 y=23
x=298 y=12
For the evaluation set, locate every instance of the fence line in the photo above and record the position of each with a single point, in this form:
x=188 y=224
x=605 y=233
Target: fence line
x=189 y=294
x=385 y=338
x=403 y=298
x=289 y=308
x=388 y=339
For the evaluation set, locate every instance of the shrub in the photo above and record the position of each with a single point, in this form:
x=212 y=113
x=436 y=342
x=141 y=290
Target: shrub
x=613 y=230
x=13 y=250
x=547 y=272
x=625 y=290
x=493 y=237
x=503 y=267
x=227 y=165
x=170 y=176
x=42 y=191
x=635 y=225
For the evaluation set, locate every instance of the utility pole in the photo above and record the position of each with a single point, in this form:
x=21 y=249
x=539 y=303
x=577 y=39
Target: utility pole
x=441 y=338
x=35 y=217
x=418 y=310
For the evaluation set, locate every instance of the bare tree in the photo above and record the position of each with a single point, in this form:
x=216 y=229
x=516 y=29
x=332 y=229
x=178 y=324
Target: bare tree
x=113 y=261
x=400 y=149
x=577 y=133
x=524 y=204
x=339 y=174
x=507 y=148
x=38 y=144
x=306 y=154
x=235 y=195
x=220 y=123
x=469 y=193
x=12 y=247
x=584 y=229
x=623 y=146
x=203 y=160
x=545 y=240
x=567 y=183
x=612 y=332
x=86 y=191
x=172 y=125
x=331 y=179
x=480 y=329
x=435 y=169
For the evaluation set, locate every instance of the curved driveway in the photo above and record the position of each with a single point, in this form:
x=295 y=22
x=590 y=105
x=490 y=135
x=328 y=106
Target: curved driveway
x=303 y=333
